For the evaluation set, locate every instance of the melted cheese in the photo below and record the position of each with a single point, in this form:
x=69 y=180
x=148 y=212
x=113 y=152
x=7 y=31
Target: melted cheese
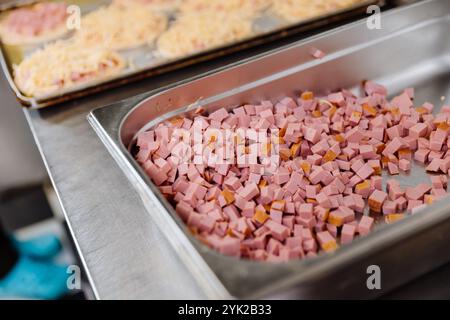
x=156 y=5
x=201 y=31
x=64 y=64
x=297 y=10
x=120 y=28
x=250 y=7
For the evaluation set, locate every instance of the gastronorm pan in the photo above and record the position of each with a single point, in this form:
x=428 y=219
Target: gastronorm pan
x=147 y=62
x=412 y=49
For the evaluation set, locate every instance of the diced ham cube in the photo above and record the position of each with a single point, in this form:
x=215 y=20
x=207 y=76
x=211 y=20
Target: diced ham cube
x=321 y=164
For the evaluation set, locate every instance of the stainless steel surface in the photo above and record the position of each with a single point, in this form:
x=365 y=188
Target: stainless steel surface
x=354 y=54
x=148 y=61
x=20 y=163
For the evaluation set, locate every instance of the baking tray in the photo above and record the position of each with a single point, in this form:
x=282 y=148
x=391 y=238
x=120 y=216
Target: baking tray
x=398 y=56
x=147 y=62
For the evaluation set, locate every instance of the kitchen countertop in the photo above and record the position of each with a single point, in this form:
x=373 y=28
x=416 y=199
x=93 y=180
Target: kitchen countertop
x=124 y=254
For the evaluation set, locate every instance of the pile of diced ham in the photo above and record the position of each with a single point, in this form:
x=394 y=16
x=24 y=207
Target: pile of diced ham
x=332 y=151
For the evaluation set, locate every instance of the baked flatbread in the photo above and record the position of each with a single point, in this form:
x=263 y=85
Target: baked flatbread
x=247 y=7
x=156 y=5
x=119 y=28
x=64 y=64
x=297 y=10
x=200 y=31
x=41 y=22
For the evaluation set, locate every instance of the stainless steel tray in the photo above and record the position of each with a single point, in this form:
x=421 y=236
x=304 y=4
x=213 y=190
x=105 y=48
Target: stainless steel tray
x=148 y=62
x=411 y=49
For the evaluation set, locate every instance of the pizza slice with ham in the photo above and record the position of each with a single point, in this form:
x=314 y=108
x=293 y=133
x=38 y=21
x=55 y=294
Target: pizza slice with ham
x=63 y=65
x=33 y=24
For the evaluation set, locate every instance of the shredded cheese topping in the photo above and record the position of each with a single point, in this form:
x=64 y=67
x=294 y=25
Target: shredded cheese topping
x=296 y=10
x=64 y=64
x=250 y=7
x=156 y=5
x=200 y=31
x=120 y=28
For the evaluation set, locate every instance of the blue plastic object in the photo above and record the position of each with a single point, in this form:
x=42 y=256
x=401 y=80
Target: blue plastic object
x=41 y=247
x=33 y=279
